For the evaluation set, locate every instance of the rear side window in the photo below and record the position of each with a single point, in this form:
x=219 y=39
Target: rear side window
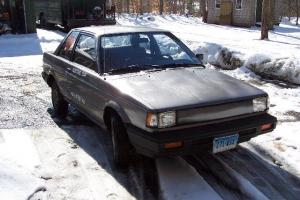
x=67 y=47
x=116 y=41
x=85 y=52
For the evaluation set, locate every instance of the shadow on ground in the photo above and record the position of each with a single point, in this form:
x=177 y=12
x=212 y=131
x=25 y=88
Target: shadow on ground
x=136 y=179
x=262 y=172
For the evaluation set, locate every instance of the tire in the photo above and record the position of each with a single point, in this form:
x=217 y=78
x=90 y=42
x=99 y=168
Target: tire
x=60 y=105
x=120 y=142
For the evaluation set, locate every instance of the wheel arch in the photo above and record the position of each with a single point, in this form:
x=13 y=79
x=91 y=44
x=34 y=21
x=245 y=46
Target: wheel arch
x=114 y=108
x=50 y=80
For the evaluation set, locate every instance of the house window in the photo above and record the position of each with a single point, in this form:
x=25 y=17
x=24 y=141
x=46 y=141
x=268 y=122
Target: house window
x=218 y=3
x=238 y=4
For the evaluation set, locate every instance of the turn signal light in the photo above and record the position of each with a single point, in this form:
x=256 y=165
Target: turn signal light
x=266 y=127
x=173 y=145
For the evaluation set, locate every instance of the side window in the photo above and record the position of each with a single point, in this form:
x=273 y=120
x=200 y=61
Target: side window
x=218 y=3
x=85 y=52
x=116 y=41
x=238 y=4
x=67 y=47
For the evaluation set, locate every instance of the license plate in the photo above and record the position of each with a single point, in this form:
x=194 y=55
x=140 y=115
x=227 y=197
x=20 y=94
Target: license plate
x=225 y=143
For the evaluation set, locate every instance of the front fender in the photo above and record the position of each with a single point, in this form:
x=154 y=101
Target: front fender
x=120 y=111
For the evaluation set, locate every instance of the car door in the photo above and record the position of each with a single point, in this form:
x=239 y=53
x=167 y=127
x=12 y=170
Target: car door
x=63 y=65
x=86 y=93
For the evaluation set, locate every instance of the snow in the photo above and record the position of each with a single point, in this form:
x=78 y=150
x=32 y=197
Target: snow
x=18 y=159
x=26 y=51
x=178 y=180
x=231 y=47
x=78 y=163
x=286 y=69
x=244 y=185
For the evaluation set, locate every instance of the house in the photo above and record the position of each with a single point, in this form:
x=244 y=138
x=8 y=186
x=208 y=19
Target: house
x=243 y=13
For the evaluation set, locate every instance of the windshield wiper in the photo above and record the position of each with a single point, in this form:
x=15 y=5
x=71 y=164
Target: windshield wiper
x=174 y=65
x=133 y=68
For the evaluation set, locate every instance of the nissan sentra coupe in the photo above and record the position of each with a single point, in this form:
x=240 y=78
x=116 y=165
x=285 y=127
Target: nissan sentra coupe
x=152 y=93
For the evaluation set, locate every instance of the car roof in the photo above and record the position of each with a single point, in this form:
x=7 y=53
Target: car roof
x=116 y=29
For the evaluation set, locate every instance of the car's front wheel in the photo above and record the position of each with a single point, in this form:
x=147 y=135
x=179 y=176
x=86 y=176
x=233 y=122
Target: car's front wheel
x=60 y=105
x=120 y=142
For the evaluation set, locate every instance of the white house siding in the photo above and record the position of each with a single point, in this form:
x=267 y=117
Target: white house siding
x=213 y=12
x=247 y=15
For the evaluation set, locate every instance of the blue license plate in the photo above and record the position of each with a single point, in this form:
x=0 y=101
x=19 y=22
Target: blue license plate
x=225 y=143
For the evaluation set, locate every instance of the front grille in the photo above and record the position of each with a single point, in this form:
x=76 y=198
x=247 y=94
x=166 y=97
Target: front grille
x=215 y=112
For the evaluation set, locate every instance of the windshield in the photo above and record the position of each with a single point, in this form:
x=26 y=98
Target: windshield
x=144 y=50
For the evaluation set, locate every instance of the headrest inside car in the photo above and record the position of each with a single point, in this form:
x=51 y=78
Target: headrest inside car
x=135 y=40
x=143 y=40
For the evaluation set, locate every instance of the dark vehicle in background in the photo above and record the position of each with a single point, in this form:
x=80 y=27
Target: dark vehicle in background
x=74 y=13
x=4 y=19
x=152 y=93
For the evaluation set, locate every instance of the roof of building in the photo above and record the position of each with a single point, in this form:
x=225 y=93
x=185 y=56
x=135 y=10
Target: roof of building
x=116 y=29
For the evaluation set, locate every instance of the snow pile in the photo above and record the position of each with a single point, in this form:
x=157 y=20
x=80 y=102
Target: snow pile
x=219 y=56
x=16 y=182
x=18 y=160
x=287 y=69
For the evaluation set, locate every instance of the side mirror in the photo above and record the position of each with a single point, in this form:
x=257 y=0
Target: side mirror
x=200 y=57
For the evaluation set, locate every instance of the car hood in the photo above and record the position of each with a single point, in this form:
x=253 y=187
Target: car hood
x=183 y=88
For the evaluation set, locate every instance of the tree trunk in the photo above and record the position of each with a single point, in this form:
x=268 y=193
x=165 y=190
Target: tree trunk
x=141 y=7
x=190 y=7
x=183 y=6
x=161 y=6
x=289 y=9
x=265 y=19
x=271 y=14
x=128 y=6
x=297 y=11
x=203 y=8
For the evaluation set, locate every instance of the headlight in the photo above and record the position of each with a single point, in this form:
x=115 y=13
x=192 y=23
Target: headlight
x=260 y=104
x=161 y=120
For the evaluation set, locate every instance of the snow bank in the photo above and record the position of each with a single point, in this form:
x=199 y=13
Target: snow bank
x=219 y=56
x=286 y=69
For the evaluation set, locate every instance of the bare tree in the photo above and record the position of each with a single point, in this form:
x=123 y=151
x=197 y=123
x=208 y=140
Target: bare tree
x=128 y=6
x=289 y=9
x=141 y=7
x=266 y=17
x=190 y=7
x=203 y=8
x=297 y=12
x=161 y=6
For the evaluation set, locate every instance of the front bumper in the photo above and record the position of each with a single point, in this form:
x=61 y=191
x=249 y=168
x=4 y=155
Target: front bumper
x=197 y=139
